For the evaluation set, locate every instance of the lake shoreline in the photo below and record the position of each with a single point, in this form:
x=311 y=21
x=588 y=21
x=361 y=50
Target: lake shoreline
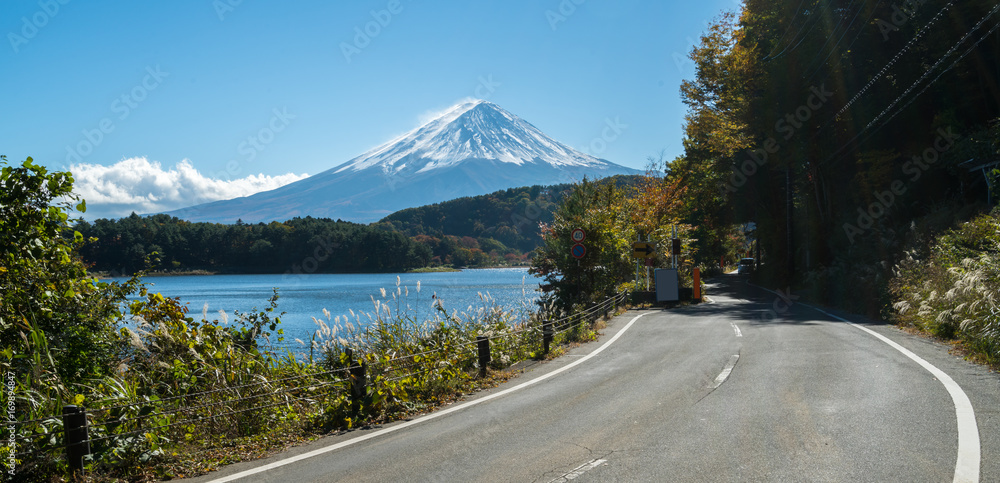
x=186 y=273
x=304 y=296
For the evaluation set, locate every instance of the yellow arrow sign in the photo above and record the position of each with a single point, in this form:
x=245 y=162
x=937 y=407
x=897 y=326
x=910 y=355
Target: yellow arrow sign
x=643 y=250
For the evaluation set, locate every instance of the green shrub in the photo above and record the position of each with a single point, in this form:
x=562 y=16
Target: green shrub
x=954 y=290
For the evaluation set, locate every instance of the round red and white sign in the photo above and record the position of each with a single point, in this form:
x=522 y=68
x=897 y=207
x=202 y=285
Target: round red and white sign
x=579 y=235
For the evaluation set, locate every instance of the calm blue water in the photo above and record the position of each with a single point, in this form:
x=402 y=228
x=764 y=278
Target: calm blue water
x=305 y=296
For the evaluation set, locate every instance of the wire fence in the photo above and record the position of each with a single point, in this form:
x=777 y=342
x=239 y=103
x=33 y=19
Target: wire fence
x=252 y=406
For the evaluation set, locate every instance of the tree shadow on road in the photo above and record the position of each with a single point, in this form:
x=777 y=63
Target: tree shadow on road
x=738 y=301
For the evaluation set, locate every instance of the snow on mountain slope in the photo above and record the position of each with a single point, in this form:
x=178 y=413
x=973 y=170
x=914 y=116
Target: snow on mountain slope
x=473 y=148
x=476 y=129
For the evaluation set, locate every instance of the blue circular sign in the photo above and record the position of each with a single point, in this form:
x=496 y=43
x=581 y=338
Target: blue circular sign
x=578 y=251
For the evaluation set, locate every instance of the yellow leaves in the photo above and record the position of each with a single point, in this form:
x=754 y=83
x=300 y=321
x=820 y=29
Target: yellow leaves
x=656 y=203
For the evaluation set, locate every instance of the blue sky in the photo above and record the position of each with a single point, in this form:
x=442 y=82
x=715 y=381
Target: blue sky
x=208 y=93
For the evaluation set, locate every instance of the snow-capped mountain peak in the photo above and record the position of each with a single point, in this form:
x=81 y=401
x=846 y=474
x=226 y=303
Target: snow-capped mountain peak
x=473 y=148
x=470 y=130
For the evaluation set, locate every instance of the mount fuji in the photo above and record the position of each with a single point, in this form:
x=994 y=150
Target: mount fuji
x=474 y=148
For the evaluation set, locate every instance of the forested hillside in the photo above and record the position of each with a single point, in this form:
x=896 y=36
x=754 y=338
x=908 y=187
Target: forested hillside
x=508 y=220
x=510 y=217
x=299 y=245
x=489 y=230
x=847 y=131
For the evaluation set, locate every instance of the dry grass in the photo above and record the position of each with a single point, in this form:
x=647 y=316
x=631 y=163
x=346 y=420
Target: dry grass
x=953 y=292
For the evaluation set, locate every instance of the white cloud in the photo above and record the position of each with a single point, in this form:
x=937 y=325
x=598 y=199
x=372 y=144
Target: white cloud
x=138 y=185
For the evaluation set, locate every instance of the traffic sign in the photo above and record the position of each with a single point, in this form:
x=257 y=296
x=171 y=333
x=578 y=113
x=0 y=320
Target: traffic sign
x=643 y=250
x=676 y=246
x=578 y=251
x=579 y=235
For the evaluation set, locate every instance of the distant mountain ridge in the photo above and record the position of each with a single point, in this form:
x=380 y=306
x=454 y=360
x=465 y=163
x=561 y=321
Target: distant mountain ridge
x=473 y=148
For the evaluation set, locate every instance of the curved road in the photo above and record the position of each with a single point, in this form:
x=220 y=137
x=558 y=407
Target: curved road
x=750 y=387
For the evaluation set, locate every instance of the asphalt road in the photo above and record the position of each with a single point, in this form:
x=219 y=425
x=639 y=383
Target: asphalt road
x=746 y=388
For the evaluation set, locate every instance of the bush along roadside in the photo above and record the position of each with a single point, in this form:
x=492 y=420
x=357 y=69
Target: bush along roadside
x=952 y=289
x=188 y=396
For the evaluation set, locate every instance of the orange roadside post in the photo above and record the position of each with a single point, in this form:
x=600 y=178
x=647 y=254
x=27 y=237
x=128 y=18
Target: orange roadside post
x=697 y=283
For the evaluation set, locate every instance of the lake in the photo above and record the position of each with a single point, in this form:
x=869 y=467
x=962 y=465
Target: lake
x=304 y=296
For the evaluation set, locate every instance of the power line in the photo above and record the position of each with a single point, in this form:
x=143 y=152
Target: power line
x=787 y=29
x=875 y=78
x=800 y=40
x=894 y=59
x=931 y=69
x=886 y=122
x=819 y=66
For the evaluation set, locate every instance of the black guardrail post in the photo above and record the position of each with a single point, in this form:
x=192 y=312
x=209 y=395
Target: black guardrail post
x=359 y=381
x=546 y=336
x=77 y=439
x=483 y=344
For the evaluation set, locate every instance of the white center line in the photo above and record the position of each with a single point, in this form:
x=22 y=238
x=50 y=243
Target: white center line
x=736 y=329
x=726 y=371
x=579 y=470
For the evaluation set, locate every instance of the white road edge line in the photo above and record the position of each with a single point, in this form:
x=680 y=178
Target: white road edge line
x=434 y=415
x=721 y=378
x=579 y=470
x=967 y=464
x=736 y=329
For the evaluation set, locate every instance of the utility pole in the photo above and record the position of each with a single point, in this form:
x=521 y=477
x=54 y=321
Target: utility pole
x=790 y=255
x=673 y=256
x=638 y=238
x=756 y=238
x=646 y=262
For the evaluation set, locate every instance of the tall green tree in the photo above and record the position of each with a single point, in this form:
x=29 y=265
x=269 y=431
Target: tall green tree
x=55 y=321
x=599 y=210
x=717 y=138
